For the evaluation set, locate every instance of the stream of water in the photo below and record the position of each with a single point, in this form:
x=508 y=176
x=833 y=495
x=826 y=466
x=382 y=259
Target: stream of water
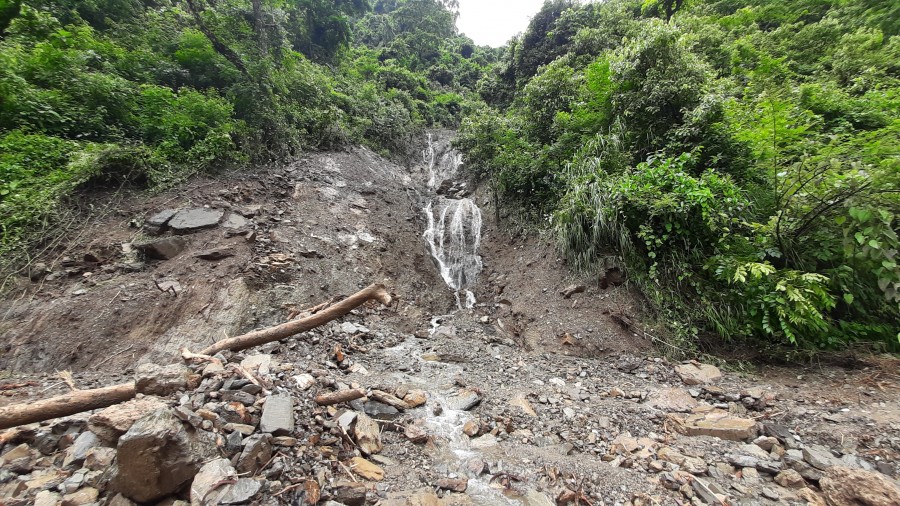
x=453 y=234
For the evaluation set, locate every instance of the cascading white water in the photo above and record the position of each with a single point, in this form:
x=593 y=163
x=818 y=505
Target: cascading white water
x=453 y=234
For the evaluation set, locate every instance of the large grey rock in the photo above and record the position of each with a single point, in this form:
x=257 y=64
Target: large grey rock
x=158 y=455
x=466 y=400
x=153 y=379
x=278 y=416
x=820 y=457
x=162 y=249
x=235 y=221
x=115 y=420
x=192 y=220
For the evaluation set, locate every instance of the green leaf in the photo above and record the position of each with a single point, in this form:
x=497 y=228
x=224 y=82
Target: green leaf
x=860 y=238
x=848 y=298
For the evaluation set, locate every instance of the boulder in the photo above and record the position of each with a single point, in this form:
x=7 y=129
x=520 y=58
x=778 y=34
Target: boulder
x=153 y=379
x=162 y=249
x=845 y=486
x=158 y=455
x=192 y=220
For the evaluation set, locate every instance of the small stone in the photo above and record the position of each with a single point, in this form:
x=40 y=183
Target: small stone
x=695 y=373
x=259 y=363
x=257 y=452
x=239 y=396
x=465 y=400
x=471 y=428
x=76 y=453
x=304 y=381
x=278 y=416
x=717 y=423
x=240 y=428
x=349 y=494
x=368 y=435
x=215 y=254
x=454 y=485
x=765 y=442
x=415 y=398
x=99 y=458
x=790 y=479
x=572 y=290
x=416 y=433
x=366 y=469
x=770 y=494
x=672 y=399
x=47 y=498
x=820 y=457
x=87 y=495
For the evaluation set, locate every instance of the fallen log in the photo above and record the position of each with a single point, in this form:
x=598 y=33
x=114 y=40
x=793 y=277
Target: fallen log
x=260 y=337
x=79 y=401
x=340 y=396
x=64 y=405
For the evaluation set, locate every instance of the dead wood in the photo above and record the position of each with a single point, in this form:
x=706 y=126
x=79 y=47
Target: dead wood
x=260 y=337
x=79 y=401
x=340 y=396
x=64 y=405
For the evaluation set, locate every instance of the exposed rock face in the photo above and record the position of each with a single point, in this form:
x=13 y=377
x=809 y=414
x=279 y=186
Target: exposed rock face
x=114 y=421
x=153 y=379
x=158 y=455
x=843 y=486
x=191 y=220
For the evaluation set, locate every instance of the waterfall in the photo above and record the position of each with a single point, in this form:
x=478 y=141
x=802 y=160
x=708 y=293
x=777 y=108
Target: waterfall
x=453 y=234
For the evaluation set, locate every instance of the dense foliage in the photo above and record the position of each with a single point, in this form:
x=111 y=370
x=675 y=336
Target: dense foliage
x=151 y=92
x=741 y=156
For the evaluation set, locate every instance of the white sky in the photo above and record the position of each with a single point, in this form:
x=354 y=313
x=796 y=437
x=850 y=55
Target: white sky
x=494 y=22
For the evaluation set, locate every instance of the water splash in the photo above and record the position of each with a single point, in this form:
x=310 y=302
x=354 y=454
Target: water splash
x=440 y=167
x=453 y=237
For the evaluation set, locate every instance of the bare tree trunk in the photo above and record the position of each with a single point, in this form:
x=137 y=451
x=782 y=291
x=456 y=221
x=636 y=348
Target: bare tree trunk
x=64 y=405
x=86 y=400
x=217 y=44
x=260 y=337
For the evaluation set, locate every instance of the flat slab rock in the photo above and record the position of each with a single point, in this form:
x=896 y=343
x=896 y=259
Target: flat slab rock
x=695 y=373
x=191 y=220
x=716 y=423
x=278 y=416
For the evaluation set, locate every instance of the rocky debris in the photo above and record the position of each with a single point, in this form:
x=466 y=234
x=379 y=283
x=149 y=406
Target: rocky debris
x=110 y=423
x=790 y=479
x=158 y=455
x=191 y=220
x=153 y=379
x=453 y=484
x=820 y=457
x=162 y=249
x=278 y=415
x=695 y=373
x=842 y=485
x=716 y=423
